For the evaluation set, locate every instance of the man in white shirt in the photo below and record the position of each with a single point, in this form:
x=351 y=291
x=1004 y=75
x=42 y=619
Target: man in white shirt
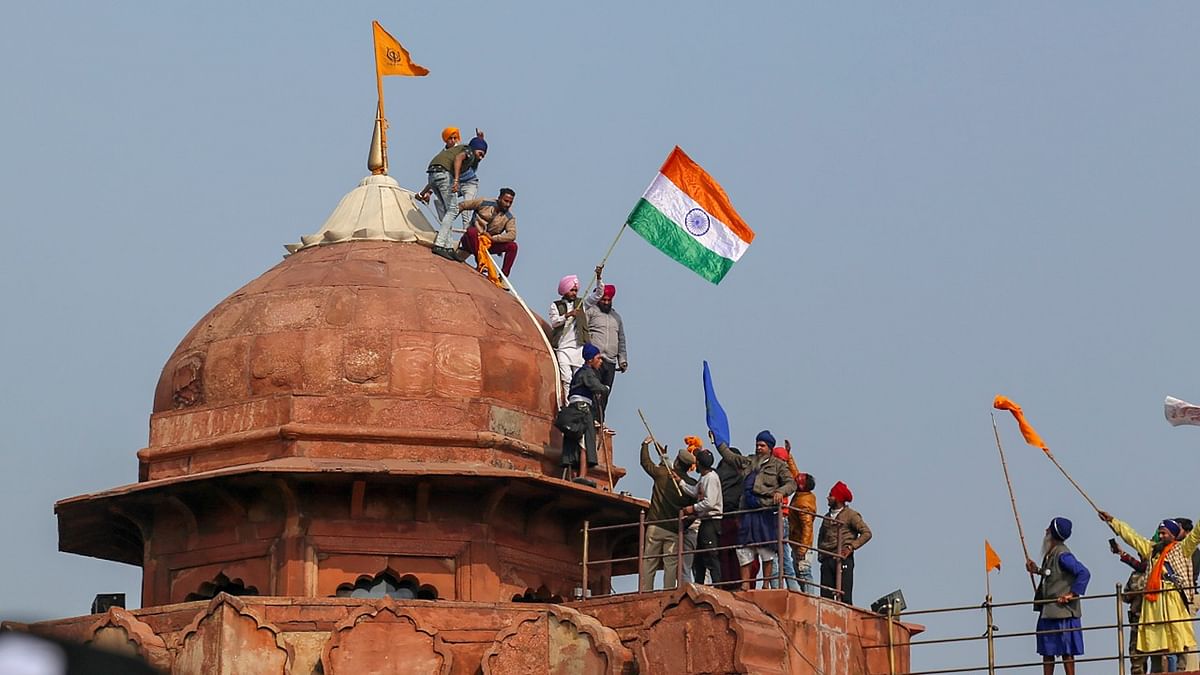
x=569 y=329
x=708 y=508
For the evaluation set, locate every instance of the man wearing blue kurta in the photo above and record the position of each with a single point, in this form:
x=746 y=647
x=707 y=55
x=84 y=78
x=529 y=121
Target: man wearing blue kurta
x=1063 y=580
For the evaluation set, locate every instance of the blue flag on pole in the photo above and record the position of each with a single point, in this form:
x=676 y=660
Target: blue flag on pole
x=714 y=414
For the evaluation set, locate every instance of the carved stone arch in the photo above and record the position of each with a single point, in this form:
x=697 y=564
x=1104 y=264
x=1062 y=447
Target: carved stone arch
x=389 y=577
x=230 y=637
x=557 y=641
x=710 y=630
x=385 y=639
x=120 y=631
x=219 y=584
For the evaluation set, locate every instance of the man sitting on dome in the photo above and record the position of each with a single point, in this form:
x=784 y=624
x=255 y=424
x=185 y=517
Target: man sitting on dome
x=493 y=219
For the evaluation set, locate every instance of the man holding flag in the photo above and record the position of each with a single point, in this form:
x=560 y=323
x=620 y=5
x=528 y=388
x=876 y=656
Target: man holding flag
x=1164 y=627
x=1063 y=580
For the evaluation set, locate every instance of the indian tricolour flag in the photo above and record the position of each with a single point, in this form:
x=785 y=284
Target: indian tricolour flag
x=685 y=214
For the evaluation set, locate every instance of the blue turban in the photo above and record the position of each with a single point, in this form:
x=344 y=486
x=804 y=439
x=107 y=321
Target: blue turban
x=1171 y=526
x=477 y=143
x=1060 y=528
x=765 y=436
x=590 y=351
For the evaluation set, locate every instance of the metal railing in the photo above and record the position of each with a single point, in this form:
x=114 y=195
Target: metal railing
x=991 y=634
x=778 y=577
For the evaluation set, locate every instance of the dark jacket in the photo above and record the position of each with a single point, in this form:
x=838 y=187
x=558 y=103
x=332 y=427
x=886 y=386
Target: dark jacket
x=586 y=382
x=731 y=485
x=665 y=500
x=773 y=474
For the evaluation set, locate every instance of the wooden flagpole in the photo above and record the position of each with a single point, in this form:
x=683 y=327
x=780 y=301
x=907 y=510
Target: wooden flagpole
x=661 y=453
x=1050 y=456
x=1011 y=497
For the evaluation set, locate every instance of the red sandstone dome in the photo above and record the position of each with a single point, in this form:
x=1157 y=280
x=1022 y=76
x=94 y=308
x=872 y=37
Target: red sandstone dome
x=361 y=338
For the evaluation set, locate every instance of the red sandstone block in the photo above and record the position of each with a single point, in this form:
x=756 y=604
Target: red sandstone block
x=412 y=364
x=275 y=362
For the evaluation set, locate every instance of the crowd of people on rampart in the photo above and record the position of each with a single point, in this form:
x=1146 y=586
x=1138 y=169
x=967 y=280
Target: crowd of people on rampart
x=735 y=510
x=727 y=504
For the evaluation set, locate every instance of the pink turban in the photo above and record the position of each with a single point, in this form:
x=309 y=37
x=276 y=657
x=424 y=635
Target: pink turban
x=567 y=283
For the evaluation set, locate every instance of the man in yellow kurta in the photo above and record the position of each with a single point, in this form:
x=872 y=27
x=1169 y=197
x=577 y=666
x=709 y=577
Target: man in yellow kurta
x=1168 y=589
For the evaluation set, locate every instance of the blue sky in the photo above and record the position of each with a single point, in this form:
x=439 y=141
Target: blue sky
x=952 y=200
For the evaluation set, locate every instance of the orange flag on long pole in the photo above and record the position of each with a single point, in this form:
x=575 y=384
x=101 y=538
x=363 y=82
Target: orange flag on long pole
x=1027 y=430
x=391 y=58
x=991 y=560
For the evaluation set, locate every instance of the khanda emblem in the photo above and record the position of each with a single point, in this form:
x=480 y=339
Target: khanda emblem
x=396 y=58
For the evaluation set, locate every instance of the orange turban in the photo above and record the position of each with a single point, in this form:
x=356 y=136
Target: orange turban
x=448 y=133
x=693 y=442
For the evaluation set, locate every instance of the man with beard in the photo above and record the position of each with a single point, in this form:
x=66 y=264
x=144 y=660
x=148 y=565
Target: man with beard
x=606 y=331
x=1063 y=580
x=568 y=329
x=843 y=531
x=1164 y=627
x=667 y=499
x=494 y=218
x=765 y=481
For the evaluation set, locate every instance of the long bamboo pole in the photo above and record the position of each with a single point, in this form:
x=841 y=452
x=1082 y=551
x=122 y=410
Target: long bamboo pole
x=661 y=454
x=1011 y=496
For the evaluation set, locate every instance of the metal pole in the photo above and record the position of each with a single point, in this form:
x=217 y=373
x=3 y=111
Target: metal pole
x=991 y=640
x=641 y=546
x=585 y=560
x=839 y=557
x=678 y=551
x=1120 y=635
x=891 y=644
x=779 y=537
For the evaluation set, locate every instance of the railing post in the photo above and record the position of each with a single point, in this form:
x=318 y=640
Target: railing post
x=839 y=557
x=1120 y=635
x=678 y=551
x=585 y=560
x=991 y=638
x=891 y=612
x=779 y=537
x=641 y=546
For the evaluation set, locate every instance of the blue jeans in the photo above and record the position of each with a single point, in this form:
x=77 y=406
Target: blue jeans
x=441 y=181
x=467 y=189
x=804 y=572
x=790 y=569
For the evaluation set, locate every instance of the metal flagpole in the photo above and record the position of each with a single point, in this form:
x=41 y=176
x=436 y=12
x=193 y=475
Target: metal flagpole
x=1011 y=497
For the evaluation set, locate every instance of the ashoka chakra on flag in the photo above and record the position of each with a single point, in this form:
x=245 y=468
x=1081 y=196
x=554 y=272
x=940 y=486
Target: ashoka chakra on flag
x=685 y=214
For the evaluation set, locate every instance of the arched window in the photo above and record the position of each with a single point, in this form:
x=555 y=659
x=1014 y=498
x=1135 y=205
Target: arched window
x=542 y=594
x=221 y=584
x=384 y=585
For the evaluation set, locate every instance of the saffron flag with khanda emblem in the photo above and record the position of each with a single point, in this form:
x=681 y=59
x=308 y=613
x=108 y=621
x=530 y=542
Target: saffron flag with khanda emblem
x=391 y=58
x=991 y=559
x=687 y=215
x=1031 y=436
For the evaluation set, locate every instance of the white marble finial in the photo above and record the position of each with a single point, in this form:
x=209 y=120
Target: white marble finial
x=378 y=209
